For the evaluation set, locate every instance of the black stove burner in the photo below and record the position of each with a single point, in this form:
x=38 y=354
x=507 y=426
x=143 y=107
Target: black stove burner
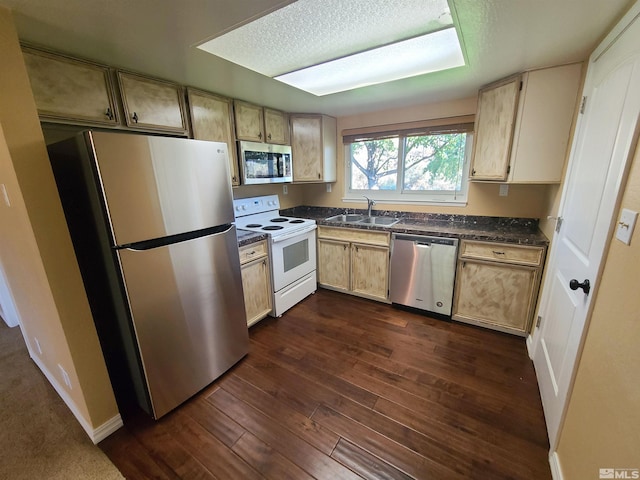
x=297 y=220
x=279 y=219
x=272 y=227
x=253 y=225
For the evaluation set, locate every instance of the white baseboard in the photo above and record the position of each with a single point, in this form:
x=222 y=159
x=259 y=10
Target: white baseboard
x=106 y=429
x=95 y=434
x=554 y=463
x=530 y=346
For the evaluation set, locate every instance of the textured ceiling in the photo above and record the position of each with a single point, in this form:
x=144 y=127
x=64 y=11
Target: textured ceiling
x=309 y=32
x=159 y=38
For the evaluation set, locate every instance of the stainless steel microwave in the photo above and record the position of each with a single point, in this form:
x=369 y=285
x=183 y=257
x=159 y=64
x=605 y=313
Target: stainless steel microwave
x=265 y=163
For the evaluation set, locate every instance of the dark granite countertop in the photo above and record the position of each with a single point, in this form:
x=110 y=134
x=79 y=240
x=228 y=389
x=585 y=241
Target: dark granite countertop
x=246 y=237
x=521 y=231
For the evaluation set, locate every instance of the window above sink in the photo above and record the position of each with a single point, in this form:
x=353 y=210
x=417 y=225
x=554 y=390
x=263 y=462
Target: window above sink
x=428 y=163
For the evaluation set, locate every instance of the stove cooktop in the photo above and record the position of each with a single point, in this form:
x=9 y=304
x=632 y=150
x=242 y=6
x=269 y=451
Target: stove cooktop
x=261 y=214
x=272 y=223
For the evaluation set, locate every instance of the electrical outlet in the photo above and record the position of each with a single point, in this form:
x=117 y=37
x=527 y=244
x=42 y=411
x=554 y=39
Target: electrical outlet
x=37 y=345
x=328 y=188
x=285 y=189
x=504 y=190
x=65 y=376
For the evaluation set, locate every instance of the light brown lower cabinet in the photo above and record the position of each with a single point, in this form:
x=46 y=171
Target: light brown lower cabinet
x=334 y=264
x=497 y=285
x=354 y=261
x=256 y=281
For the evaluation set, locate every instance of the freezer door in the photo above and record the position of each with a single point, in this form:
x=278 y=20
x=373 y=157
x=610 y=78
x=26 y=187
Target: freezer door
x=159 y=186
x=188 y=314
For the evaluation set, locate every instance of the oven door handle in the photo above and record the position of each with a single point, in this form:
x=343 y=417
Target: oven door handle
x=282 y=238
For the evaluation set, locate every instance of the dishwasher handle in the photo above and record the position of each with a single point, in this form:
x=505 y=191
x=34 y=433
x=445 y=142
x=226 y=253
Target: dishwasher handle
x=424 y=240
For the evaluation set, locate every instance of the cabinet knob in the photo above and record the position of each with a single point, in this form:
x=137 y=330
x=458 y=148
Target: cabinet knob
x=473 y=172
x=135 y=117
x=269 y=136
x=260 y=135
x=585 y=286
x=109 y=113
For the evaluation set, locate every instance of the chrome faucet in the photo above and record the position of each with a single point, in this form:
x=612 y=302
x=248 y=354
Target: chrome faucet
x=370 y=204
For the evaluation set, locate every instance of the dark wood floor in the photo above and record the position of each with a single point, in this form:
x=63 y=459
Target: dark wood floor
x=343 y=388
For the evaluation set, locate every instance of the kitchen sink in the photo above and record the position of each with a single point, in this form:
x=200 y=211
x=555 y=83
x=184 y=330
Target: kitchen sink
x=361 y=219
x=345 y=218
x=382 y=221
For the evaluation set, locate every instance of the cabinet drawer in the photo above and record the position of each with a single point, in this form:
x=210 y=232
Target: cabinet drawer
x=253 y=251
x=502 y=252
x=354 y=235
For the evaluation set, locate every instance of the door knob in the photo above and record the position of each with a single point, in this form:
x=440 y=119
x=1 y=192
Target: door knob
x=585 y=286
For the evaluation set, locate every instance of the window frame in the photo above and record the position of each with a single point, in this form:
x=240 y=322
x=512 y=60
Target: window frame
x=400 y=195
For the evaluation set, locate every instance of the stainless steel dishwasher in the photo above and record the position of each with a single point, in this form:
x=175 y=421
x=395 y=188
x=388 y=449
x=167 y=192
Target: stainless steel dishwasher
x=423 y=271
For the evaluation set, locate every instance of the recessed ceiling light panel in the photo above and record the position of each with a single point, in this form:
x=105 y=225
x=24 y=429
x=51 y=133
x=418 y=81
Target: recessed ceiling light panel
x=428 y=53
x=315 y=33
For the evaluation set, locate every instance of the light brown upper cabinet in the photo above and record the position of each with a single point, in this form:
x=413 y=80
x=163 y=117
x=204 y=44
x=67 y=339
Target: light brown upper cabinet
x=313 y=148
x=495 y=121
x=152 y=105
x=523 y=125
x=257 y=124
x=276 y=126
x=212 y=119
x=69 y=90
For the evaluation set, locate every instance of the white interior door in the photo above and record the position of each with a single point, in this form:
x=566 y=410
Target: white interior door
x=604 y=139
x=8 y=310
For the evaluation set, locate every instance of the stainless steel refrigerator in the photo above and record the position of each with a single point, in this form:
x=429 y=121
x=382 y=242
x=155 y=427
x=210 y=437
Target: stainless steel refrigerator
x=151 y=222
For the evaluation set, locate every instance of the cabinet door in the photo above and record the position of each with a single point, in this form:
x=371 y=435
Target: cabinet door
x=543 y=127
x=249 y=121
x=276 y=126
x=151 y=104
x=70 y=91
x=333 y=264
x=496 y=295
x=256 y=285
x=306 y=148
x=370 y=271
x=212 y=119
x=495 y=121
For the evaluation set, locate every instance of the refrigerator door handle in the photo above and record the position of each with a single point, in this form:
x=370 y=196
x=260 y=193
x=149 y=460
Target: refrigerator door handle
x=180 y=237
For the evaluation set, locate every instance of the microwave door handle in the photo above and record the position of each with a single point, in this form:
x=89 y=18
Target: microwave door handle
x=282 y=238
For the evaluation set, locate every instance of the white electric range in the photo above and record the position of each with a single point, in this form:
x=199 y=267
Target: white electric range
x=292 y=245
